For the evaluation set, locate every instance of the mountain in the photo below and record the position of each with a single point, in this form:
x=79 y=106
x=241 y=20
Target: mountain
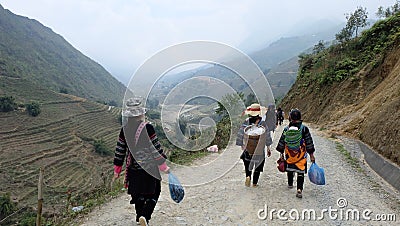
x=72 y=139
x=283 y=49
x=282 y=76
x=354 y=88
x=34 y=52
x=322 y=27
x=297 y=41
x=278 y=61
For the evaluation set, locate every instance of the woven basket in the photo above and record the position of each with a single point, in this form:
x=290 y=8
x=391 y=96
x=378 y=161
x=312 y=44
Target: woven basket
x=254 y=143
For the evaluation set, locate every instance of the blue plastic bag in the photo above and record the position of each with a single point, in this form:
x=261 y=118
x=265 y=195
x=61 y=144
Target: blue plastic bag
x=175 y=188
x=316 y=174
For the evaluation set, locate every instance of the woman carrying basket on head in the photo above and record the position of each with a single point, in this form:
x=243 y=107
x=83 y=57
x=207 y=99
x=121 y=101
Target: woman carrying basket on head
x=254 y=160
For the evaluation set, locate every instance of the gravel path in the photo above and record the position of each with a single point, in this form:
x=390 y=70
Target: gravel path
x=226 y=201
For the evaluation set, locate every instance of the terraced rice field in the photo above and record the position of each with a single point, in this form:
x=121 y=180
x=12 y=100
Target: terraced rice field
x=60 y=141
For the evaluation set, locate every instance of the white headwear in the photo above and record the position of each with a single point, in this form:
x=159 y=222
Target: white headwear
x=133 y=107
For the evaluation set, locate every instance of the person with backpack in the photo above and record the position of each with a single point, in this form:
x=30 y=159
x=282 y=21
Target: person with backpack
x=294 y=145
x=254 y=160
x=138 y=145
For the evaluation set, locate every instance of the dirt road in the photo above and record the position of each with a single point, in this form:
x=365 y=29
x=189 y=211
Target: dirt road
x=349 y=194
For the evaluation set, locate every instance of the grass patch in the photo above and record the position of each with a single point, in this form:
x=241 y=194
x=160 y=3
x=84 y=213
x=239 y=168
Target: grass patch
x=101 y=148
x=67 y=216
x=89 y=201
x=183 y=157
x=350 y=159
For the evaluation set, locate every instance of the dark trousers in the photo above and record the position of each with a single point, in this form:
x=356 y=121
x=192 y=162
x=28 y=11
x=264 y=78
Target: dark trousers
x=145 y=203
x=300 y=179
x=256 y=174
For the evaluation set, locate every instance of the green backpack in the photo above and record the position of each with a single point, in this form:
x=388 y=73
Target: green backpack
x=294 y=138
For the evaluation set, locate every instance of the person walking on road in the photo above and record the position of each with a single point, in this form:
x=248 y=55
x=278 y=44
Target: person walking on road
x=138 y=145
x=279 y=116
x=294 y=145
x=253 y=161
x=270 y=118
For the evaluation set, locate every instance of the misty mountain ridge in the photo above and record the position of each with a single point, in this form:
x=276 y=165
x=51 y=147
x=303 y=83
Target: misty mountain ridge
x=34 y=52
x=278 y=61
x=295 y=42
x=59 y=66
x=254 y=43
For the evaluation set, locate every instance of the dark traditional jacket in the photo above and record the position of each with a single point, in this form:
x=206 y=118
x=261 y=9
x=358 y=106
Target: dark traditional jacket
x=305 y=134
x=147 y=154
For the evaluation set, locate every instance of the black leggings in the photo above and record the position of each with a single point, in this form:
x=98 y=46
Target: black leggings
x=145 y=203
x=300 y=179
x=256 y=173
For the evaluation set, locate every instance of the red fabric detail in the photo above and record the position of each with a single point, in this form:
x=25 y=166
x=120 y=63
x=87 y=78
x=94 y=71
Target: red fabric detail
x=163 y=167
x=128 y=163
x=117 y=169
x=253 y=109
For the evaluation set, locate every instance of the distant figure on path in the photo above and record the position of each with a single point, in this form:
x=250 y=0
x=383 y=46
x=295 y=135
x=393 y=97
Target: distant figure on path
x=270 y=118
x=254 y=161
x=279 y=116
x=294 y=144
x=138 y=145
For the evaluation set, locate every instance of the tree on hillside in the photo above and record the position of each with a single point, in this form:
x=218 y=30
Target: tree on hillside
x=390 y=11
x=33 y=109
x=358 y=19
x=319 y=47
x=355 y=21
x=101 y=148
x=7 y=103
x=233 y=104
x=344 y=35
x=64 y=90
x=230 y=103
x=305 y=62
x=381 y=12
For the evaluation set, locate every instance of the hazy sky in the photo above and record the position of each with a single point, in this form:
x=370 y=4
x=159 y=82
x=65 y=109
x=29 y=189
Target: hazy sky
x=122 y=34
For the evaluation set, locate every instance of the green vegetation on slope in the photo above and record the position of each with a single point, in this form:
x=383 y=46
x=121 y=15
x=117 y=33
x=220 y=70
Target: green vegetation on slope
x=72 y=139
x=346 y=59
x=353 y=86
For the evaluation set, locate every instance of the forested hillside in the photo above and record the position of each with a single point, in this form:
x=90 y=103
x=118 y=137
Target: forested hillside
x=353 y=87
